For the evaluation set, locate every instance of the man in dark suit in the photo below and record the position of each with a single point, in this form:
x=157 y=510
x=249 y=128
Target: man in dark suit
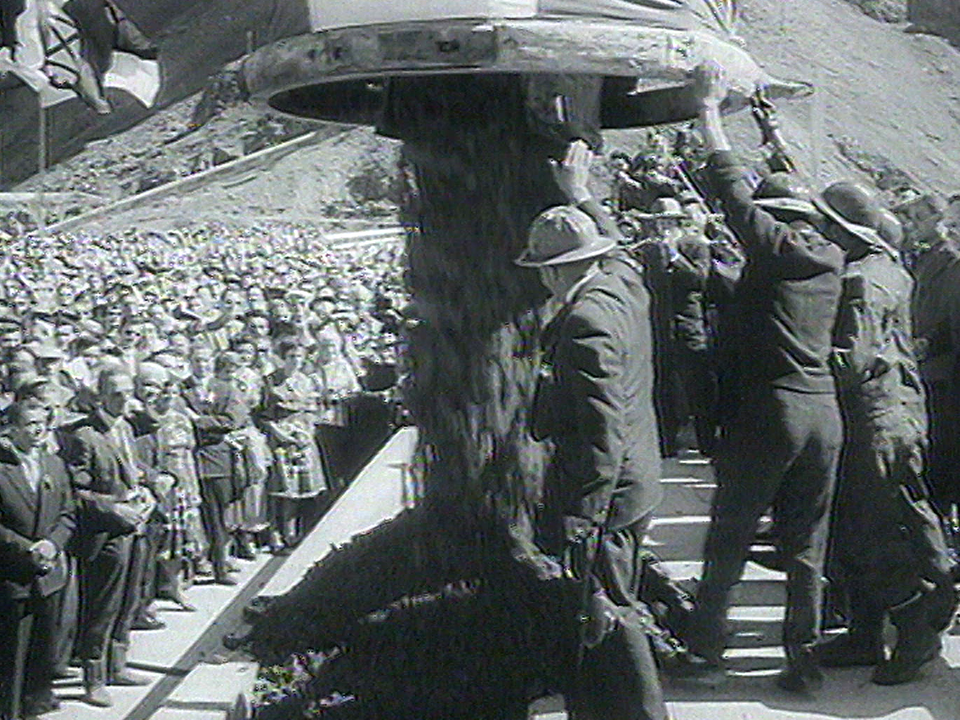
x=115 y=505
x=595 y=402
x=36 y=521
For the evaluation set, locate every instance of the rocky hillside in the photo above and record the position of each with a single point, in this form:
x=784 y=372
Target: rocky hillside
x=888 y=107
x=886 y=10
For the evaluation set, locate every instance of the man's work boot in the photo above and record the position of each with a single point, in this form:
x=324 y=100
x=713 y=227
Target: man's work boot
x=119 y=674
x=863 y=644
x=918 y=642
x=94 y=684
x=221 y=577
x=704 y=643
x=243 y=547
x=908 y=658
x=802 y=673
x=40 y=703
x=851 y=649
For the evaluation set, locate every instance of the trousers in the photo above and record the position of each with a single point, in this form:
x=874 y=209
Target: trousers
x=215 y=493
x=617 y=678
x=781 y=451
x=102 y=581
x=28 y=649
x=888 y=542
x=132 y=592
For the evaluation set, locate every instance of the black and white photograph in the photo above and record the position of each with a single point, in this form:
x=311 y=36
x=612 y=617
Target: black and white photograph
x=480 y=360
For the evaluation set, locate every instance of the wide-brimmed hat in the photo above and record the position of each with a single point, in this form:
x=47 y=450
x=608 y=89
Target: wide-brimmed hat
x=784 y=192
x=563 y=234
x=665 y=208
x=781 y=185
x=854 y=208
x=804 y=208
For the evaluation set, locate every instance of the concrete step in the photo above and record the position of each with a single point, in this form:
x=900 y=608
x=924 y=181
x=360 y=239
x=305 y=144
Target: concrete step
x=758 y=585
x=157 y=654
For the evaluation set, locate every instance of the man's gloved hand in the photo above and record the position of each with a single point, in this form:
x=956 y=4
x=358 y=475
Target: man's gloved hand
x=573 y=172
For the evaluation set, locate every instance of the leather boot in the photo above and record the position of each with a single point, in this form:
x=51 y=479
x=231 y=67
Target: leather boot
x=918 y=642
x=863 y=644
x=119 y=674
x=856 y=648
x=802 y=673
x=94 y=684
x=243 y=546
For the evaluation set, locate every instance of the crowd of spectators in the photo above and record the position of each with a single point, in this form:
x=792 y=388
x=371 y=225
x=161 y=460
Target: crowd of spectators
x=200 y=392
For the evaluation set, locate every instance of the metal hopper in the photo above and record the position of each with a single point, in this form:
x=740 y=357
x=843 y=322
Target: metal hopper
x=637 y=53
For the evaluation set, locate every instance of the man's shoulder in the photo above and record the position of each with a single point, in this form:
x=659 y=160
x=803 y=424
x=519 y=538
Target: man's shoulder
x=607 y=296
x=883 y=272
x=7 y=457
x=84 y=427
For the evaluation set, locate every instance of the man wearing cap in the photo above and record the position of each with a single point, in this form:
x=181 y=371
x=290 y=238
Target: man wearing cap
x=657 y=255
x=594 y=402
x=781 y=444
x=887 y=546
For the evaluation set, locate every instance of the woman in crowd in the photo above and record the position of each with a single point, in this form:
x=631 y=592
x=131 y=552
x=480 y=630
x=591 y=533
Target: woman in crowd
x=288 y=415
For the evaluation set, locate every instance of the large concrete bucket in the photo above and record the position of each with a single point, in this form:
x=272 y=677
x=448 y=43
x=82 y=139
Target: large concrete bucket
x=640 y=53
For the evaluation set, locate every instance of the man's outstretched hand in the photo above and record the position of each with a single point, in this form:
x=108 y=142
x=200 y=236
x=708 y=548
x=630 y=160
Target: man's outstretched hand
x=710 y=88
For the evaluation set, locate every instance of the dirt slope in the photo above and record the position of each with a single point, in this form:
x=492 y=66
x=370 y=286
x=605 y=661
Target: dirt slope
x=893 y=93
x=884 y=94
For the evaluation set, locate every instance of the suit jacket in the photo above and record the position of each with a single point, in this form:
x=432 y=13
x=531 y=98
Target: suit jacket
x=101 y=476
x=27 y=516
x=219 y=412
x=784 y=307
x=594 y=400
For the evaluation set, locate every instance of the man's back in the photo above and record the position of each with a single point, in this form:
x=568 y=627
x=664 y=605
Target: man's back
x=876 y=368
x=786 y=301
x=599 y=409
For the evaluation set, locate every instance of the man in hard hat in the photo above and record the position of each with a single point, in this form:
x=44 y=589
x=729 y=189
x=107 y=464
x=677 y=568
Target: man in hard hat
x=781 y=441
x=888 y=549
x=594 y=402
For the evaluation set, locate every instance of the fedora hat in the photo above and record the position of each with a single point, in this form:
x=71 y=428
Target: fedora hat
x=781 y=185
x=854 y=208
x=563 y=234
